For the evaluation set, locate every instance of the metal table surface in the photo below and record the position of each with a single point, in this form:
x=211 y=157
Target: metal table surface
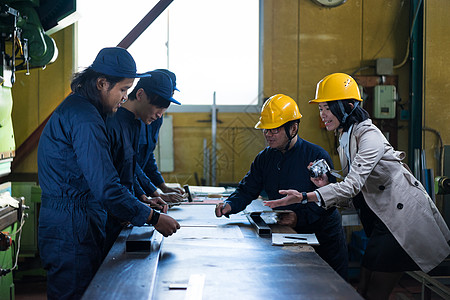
x=215 y=258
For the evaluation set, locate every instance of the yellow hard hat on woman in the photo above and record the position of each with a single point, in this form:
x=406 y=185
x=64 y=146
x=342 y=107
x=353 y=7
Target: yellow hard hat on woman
x=337 y=86
x=277 y=111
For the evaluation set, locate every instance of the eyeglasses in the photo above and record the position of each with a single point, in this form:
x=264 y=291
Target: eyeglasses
x=272 y=131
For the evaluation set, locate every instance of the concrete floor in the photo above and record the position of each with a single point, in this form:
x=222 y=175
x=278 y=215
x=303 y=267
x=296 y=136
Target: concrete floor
x=31 y=290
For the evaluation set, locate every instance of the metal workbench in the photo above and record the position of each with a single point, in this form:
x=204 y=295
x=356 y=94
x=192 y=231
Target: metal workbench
x=215 y=258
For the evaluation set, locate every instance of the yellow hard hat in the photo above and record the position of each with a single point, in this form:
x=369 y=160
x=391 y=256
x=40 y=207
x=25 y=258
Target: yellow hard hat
x=276 y=111
x=336 y=86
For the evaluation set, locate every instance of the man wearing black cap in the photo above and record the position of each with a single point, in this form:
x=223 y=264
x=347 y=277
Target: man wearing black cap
x=149 y=178
x=147 y=103
x=78 y=180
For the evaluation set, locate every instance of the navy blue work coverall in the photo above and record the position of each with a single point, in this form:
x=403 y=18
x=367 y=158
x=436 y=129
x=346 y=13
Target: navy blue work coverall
x=272 y=171
x=79 y=185
x=147 y=173
x=123 y=132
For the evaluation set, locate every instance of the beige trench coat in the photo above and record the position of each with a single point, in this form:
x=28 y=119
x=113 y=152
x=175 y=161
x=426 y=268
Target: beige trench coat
x=393 y=194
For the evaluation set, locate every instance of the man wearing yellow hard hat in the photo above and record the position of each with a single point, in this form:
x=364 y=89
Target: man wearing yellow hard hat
x=283 y=165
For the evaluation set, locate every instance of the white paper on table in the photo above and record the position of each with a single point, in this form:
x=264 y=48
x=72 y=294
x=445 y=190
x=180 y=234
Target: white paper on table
x=280 y=239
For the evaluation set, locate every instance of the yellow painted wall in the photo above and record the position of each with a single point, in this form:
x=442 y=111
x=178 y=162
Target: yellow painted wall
x=304 y=42
x=36 y=95
x=436 y=105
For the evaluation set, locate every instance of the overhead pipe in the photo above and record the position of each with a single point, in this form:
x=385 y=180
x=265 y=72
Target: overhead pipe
x=144 y=23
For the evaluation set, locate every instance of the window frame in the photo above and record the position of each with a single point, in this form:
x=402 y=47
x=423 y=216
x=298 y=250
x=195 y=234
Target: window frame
x=223 y=108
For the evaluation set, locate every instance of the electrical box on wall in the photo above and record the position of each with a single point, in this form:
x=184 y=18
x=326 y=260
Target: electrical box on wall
x=384 y=66
x=384 y=105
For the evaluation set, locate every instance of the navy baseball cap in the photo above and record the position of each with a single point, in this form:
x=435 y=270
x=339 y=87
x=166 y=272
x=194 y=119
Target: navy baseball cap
x=160 y=83
x=171 y=75
x=116 y=61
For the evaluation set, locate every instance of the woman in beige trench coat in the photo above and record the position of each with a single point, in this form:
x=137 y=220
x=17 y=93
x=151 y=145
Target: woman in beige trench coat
x=405 y=229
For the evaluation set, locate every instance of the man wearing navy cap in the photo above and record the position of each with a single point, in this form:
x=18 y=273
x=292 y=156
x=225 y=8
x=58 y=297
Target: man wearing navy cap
x=78 y=180
x=147 y=103
x=148 y=175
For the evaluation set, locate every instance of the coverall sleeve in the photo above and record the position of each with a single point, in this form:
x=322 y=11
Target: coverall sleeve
x=145 y=184
x=248 y=189
x=151 y=171
x=138 y=191
x=91 y=146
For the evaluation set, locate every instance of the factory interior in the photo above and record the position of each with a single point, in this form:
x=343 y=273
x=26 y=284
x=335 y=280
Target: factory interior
x=396 y=50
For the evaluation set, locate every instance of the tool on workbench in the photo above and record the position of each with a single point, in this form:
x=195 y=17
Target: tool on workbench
x=139 y=239
x=253 y=212
x=186 y=189
x=282 y=239
x=257 y=214
x=261 y=227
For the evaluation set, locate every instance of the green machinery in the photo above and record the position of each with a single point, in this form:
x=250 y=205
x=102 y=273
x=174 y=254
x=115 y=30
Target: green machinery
x=11 y=224
x=442 y=185
x=25 y=43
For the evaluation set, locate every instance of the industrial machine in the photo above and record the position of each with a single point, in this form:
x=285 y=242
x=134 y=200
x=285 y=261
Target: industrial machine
x=12 y=219
x=25 y=43
x=442 y=185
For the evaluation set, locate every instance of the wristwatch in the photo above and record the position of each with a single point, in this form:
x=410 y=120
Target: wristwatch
x=305 y=198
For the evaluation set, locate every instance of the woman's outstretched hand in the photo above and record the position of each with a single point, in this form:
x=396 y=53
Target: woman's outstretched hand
x=292 y=196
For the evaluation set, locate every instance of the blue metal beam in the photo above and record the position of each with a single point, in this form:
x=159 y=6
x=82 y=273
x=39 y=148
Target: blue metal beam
x=416 y=81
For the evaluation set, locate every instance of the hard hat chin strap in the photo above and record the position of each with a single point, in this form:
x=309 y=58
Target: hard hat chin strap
x=346 y=115
x=288 y=134
x=289 y=141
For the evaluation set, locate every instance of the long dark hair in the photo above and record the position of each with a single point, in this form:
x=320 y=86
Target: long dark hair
x=85 y=84
x=356 y=115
